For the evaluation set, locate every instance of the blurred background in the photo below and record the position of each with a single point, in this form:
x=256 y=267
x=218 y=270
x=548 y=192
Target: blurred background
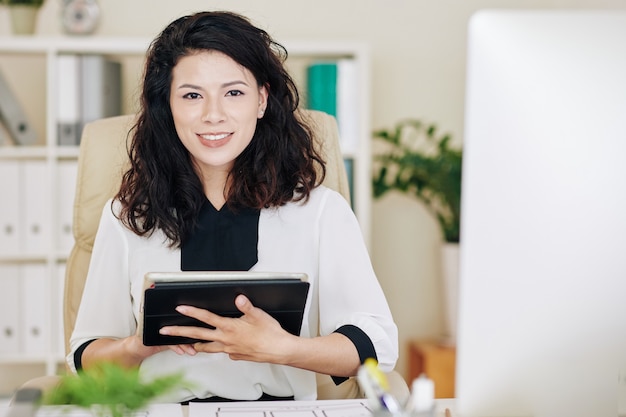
x=417 y=51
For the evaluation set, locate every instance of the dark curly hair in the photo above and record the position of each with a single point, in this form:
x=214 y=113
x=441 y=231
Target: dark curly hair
x=161 y=190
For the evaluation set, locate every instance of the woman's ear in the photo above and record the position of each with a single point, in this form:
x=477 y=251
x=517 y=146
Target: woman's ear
x=263 y=94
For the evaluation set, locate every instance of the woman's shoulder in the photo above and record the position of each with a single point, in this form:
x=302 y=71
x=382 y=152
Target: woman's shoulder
x=323 y=193
x=111 y=212
x=113 y=207
x=320 y=198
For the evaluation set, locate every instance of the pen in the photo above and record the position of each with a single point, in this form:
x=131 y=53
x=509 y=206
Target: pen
x=379 y=378
x=389 y=402
x=375 y=386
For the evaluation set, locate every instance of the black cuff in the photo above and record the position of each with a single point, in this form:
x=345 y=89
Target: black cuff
x=362 y=342
x=78 y=355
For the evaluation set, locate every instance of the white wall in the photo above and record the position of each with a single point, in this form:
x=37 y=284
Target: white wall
x=418 y=56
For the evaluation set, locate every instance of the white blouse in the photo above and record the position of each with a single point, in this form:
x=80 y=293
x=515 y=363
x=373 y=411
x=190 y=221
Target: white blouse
x=321 y=238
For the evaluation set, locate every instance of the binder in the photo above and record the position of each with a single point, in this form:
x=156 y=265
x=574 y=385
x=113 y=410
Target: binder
x=35 y=309
x=9 y=309
x=322 y=87
x=5 y=137
x=34 y=227
x=348 y=105
x=100 y=88
x=66 y=188
x=349 y=164
x=68 y=99
x=90 y=88
x=13 y=117
x=10 y=239
x=58 y=332
x=333 y=87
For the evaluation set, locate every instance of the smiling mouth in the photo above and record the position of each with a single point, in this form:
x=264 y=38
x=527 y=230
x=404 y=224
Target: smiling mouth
x=215 y=137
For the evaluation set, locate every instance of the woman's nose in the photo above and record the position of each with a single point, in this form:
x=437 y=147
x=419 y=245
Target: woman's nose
x=213 y=112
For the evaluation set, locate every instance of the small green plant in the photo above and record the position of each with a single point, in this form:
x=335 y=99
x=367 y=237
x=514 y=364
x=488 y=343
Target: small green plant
x=110 y=390
x=420 y=162
x=36 y=3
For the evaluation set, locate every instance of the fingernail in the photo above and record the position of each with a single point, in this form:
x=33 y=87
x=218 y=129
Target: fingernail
x=164 y=330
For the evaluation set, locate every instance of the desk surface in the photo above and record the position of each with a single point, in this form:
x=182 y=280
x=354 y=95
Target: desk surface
x=176 y=410
x=338 y=408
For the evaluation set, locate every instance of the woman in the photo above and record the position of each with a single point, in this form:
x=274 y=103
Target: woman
x=224 y=176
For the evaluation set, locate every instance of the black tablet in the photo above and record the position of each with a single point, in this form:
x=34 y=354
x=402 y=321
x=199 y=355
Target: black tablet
x=282 y=295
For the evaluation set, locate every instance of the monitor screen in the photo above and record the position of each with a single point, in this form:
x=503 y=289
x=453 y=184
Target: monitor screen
x=542 y=292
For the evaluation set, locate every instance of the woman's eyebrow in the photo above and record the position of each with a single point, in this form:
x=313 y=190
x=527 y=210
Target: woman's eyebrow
x=227 y=84
x=231 y=83
x=193 y=86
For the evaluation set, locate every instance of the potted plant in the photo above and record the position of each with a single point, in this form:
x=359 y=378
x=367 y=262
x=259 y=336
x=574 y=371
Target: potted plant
x=419 y=161
x=23 y=15
x=109 y=390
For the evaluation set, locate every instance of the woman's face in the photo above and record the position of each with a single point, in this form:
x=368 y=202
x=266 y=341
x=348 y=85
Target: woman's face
x=215 y=104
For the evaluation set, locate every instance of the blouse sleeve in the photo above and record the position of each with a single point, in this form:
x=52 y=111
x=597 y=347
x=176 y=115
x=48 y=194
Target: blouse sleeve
x=349 y=291
x=106 y=308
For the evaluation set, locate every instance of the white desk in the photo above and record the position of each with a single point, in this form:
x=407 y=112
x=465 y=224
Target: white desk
x=175 y=410
x=327 y=408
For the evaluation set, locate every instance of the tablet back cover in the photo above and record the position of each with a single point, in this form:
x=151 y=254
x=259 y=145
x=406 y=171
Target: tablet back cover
x=283 y=299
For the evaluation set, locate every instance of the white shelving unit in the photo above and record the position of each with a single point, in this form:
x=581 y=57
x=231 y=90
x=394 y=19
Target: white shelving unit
x=37 y=90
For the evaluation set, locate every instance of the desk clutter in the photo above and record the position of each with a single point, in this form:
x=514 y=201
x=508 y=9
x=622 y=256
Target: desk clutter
x=25 y=407
x=373 y=382
x=379 y=400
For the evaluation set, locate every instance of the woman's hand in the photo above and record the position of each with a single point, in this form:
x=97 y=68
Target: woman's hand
x=254 y=336
x=258 y=337
x=128 y=352
x=182 y=349
x=134 y=344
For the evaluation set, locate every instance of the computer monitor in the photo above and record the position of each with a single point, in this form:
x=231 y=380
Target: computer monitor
x=542 y=291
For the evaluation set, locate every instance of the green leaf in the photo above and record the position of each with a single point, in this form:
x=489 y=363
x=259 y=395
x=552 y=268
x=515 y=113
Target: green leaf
x=113 y=389
x=411 y=166
x=37 y=3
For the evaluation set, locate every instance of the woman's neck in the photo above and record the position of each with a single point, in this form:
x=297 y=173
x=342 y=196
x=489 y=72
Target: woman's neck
x=215 y=190
x=215 y=183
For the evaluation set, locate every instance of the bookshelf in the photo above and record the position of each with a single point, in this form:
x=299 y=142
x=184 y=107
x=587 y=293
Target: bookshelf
x=29 y=65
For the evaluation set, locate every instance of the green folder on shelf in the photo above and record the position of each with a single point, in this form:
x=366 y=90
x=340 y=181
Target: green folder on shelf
x=322 y=87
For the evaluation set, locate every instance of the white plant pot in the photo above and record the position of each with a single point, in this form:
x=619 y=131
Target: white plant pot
x=450 y=273
x=23 y=19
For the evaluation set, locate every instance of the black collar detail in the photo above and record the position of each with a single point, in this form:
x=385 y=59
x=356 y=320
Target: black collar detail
x=224 y=240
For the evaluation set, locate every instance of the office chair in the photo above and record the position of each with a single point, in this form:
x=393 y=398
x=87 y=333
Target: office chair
x=103 y=159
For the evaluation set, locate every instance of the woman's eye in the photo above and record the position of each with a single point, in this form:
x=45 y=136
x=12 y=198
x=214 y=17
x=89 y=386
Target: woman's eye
x=234 y=93
x=192 y=96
